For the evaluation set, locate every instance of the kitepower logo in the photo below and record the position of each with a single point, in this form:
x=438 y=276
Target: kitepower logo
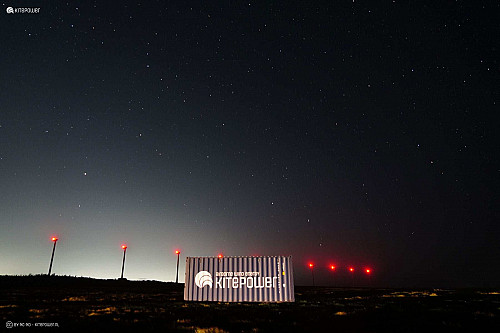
x=203 y=279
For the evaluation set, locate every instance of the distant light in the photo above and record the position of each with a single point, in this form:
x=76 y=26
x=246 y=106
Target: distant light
x=311 y=265
x=54 y=239
x=177 y=252
x=220 y=255
x=124 y=246
x=332 y=267
x=351 y=269
x=368 y=271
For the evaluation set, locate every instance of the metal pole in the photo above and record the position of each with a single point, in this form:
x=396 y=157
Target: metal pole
x=123 y=263
x=52 y=257
x=177 y=274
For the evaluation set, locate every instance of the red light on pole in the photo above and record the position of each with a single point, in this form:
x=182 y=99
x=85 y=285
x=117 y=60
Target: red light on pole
x=351 y=269
x=311 y=266
x=220 y=256
x=177 y=273
x=54 y=239
x=369 y=272
x=124 y=247
x=333 y=268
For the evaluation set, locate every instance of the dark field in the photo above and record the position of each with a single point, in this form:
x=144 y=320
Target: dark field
x=101 y=305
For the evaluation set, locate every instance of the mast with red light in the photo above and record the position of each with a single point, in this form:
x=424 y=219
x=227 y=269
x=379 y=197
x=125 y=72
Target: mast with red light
x=351 y=269
x=124 y=247
x=54 y=239
x=177 y=274
x=311 y=266
x=333 y=268
x=368 y=272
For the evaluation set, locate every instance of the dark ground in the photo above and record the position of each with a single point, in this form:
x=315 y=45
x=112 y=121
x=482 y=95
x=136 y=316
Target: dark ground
x=104 y=305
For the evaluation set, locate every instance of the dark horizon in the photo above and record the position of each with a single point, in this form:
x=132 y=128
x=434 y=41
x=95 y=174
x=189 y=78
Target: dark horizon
x=78 y=281
x=346 y=133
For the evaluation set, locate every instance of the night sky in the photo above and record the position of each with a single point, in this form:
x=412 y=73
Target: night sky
x=355 y=133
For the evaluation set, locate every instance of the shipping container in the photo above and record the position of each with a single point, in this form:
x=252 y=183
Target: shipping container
x=239 y=279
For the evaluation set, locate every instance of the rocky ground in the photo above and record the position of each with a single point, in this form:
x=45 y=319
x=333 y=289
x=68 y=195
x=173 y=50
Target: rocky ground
x=70 y=303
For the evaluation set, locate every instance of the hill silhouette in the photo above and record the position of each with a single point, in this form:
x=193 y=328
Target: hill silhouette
x=43 y=281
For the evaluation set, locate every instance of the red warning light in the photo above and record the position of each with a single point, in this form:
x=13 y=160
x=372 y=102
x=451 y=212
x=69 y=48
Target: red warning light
x=124 y=246
x=351 y=269
x=332 y=267
x=368 y=271
x=177 y=252
x=54 y=239
x=219 y=256
x=311 y=265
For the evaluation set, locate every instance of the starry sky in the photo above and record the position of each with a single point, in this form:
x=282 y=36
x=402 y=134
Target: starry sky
x=340 y=132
